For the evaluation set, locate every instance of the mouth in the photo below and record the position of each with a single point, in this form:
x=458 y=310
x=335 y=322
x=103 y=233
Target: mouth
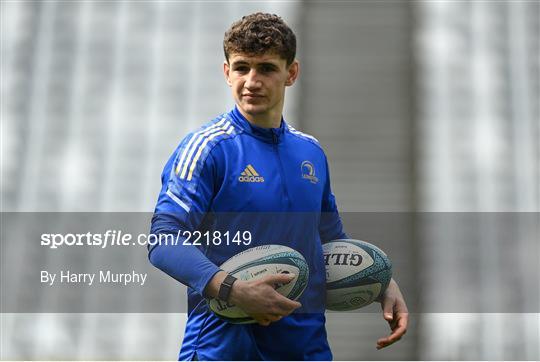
x=252 y=95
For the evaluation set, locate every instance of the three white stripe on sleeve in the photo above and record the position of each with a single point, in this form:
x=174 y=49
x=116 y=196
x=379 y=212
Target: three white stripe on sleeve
x=193 y=150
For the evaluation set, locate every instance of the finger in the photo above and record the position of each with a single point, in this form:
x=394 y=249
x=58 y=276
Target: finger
x=279 y=279
x=403 y=319
x=275 y=317
x=263 y=321
x=285 y=306
x=266 y=318
x=393 y=324
x=396 y=334
x=384 y=344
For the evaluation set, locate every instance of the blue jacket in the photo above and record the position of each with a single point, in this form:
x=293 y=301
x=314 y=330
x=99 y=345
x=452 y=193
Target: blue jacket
x=232 y=176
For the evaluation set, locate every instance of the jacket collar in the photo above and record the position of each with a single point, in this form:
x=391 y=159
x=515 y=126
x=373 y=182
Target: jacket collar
x=270 y=135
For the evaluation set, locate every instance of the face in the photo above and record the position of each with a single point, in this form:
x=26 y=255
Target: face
x=258 y=82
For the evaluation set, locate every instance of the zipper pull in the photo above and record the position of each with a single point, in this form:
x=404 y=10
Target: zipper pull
x=274 y=137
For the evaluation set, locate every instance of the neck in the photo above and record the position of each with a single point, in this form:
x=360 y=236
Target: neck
x=263 y=120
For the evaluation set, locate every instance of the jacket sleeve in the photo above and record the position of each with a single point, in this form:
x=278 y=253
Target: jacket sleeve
x=330 y=226
x=183 y=201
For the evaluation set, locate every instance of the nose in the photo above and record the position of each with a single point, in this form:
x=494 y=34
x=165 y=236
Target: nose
x=252 y=80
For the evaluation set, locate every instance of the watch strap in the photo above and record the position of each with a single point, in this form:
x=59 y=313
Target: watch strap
x=226 y=287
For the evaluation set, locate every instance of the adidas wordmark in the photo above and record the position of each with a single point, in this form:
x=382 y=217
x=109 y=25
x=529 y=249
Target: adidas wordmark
x=250 y=175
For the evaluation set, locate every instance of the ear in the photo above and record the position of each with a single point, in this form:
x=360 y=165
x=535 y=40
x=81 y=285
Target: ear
x=293 y=71
x=226 y=72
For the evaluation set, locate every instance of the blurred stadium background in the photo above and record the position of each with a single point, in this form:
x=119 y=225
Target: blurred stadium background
x=421 y=106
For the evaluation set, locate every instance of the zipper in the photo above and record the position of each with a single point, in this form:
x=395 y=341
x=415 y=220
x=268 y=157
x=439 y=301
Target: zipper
x=281 y=172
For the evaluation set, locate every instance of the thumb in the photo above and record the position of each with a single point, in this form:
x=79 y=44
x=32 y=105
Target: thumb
x=388 y=312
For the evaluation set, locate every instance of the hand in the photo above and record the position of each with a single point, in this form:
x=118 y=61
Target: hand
x=259 y=299
x=395 y=312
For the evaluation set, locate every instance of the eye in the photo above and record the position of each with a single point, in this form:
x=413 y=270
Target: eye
x=241 y=69
x=267 y=68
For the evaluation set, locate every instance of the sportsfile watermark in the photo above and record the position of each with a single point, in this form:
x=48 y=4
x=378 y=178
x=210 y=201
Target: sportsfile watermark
x=100 y=262
x=111 y=238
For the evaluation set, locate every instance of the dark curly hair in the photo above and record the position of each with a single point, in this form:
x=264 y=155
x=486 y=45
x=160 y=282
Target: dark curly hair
x=260 y=33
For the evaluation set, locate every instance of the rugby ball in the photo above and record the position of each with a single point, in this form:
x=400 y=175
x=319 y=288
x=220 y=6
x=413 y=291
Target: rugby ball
x=256 y=263
x=357 y=273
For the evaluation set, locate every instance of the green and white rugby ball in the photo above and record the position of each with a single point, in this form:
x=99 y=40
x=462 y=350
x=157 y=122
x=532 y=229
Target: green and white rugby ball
x=256 y=263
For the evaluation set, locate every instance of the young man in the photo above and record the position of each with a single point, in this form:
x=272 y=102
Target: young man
x=244 y=171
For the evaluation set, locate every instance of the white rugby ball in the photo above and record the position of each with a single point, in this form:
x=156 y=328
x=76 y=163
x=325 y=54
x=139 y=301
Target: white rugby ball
x=357 y=273
x=256 y=263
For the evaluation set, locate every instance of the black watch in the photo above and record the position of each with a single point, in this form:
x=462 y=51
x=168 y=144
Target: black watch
x=225 y=288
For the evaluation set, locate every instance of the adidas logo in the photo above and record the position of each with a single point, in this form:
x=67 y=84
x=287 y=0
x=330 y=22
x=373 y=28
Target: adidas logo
x=250 y=175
